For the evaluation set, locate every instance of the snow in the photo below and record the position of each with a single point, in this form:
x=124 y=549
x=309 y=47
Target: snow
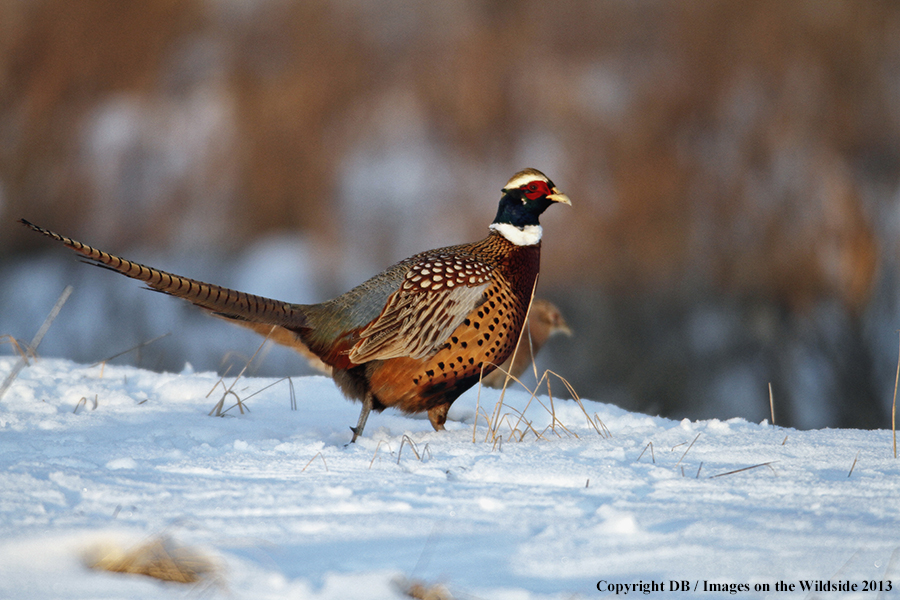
x=111 y=456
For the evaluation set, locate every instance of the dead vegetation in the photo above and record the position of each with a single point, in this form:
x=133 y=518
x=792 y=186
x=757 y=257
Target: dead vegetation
x=31 y=349
x=511 y=422
x=420 y=590
x=160 y=558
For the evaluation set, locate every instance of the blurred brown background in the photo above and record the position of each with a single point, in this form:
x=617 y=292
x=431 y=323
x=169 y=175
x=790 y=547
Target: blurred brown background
x=733 y=168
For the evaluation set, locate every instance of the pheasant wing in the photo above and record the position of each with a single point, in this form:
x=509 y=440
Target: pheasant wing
x=436 y=295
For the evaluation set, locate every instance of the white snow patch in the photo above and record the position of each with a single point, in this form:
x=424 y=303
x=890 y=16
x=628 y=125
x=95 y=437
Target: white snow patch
x=278 y=499
x=121 y=463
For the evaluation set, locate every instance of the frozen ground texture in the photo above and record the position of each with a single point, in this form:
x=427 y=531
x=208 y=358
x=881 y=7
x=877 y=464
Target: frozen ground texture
x=286 y=510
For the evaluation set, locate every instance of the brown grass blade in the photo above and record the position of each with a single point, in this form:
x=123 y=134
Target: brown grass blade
x=159 y=558
x=132 y=349
x=652 y=456
x=688 y=450
x=765 y=464
x=316 y=455
x=216 y=410
x=893 y=407
x=36 y=341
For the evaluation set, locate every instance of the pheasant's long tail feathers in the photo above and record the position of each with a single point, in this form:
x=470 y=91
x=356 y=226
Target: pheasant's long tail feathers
x=221 y=301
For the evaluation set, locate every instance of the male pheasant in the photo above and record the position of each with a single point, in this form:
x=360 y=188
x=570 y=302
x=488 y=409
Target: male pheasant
x=415 y=336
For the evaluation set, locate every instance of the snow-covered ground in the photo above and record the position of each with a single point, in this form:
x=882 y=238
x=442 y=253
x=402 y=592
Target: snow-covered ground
x=94 y=457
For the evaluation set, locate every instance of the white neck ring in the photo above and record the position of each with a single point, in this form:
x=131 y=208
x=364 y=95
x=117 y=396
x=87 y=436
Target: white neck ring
x=524 y=236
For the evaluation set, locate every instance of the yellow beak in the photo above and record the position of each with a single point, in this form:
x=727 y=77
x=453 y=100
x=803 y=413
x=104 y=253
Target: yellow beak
x=558 y=196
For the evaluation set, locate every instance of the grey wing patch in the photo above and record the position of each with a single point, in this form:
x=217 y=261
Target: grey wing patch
x=434 y=299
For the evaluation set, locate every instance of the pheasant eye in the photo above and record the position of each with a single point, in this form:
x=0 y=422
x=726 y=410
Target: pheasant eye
x=535 y=190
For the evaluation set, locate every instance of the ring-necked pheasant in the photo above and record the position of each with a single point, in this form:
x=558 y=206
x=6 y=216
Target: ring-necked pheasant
x=544 y=321
x=415 y=336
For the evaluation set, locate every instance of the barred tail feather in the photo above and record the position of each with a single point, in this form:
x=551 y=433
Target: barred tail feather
x=221 y=301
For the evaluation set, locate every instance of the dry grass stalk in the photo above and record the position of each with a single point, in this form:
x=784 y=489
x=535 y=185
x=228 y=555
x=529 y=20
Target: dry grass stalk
x=765 y=464
x=293 y=393
x=543 y=431
x=521 y=413
x=408 y=441
x=771 y=404
x=893 y=407
x=479 y=412
x=504 y=419
x=319 y=455
x=261 y=390
x=601 y=429
x=217 y=409
x=600 y=425
x=495 y=420
x=554 y=421
x=83 y=402
x=377 y=446
x=853 y=466
x=159 y=558
x=528 y=425
x=8 y=339
x=688 y=450
x=36 y=341
x=652 y=456
x=103 y=362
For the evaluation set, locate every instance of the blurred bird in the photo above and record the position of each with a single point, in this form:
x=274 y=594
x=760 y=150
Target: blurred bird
x=544 y=321
x=415 y=336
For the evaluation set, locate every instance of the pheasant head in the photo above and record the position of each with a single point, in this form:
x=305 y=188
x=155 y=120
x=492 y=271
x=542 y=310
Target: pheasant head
x=528 y=194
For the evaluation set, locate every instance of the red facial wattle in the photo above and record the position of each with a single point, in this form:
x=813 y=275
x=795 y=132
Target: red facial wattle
x=535 y=189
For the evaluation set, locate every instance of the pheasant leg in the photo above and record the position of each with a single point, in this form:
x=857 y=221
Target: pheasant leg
x=363 y=417
x=438 y=416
